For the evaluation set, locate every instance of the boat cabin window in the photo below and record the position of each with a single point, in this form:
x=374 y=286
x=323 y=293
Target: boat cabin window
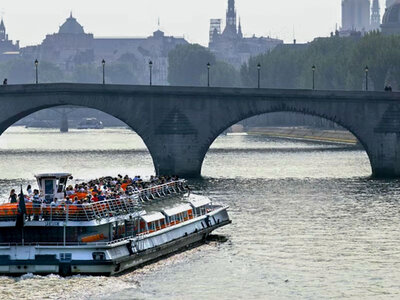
x=61 y=185
x=48 y=187
x=152 y=226
x=162 y=223
x=200 y=211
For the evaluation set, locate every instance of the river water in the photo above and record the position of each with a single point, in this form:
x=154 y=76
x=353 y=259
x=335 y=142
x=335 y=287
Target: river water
x=308 y=222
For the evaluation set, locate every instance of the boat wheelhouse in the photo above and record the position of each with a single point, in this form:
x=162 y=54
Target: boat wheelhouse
x=104 y=237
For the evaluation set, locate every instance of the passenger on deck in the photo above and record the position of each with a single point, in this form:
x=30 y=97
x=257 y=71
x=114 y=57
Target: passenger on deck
x=27 y=199
x=54 y=203
x=29 y=190
x=95 y=198
x=102 y=197
x=13 y=197
x=70 y=191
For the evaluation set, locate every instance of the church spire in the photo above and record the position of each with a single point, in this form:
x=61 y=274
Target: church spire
x=3 y=35
x=240 y=33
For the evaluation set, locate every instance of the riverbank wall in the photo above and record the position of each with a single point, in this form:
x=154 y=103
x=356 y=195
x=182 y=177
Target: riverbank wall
x=306 y=134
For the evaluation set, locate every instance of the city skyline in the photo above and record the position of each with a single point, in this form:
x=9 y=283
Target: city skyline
x=177 y=17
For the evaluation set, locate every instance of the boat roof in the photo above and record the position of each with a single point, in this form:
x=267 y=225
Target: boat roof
x=199 y=201
x=153 y=217
x=57 y=175
x=176 y=210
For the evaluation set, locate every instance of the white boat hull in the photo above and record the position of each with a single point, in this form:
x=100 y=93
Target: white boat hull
x=112 y=258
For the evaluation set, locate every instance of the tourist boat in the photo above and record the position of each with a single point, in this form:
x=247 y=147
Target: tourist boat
x=101 y=238
x=90 y=123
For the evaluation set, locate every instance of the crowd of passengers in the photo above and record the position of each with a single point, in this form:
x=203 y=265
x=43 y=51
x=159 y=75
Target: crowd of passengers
x=100 y=189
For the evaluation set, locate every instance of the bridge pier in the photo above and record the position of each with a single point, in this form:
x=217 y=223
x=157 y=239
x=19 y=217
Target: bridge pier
x=384 y=154
x=176 y=155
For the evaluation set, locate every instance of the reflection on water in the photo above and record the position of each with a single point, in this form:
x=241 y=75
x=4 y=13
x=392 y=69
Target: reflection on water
x=308 y=222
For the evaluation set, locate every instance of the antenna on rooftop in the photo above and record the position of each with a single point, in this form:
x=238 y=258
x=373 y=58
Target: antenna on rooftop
x=294 y=35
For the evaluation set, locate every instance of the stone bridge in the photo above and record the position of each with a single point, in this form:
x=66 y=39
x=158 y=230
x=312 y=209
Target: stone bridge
x=179 y=124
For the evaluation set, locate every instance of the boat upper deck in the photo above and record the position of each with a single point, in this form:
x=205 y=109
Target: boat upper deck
x=102 y=211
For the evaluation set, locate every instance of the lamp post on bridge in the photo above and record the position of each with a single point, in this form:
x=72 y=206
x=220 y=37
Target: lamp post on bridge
x=313 y=68
x=366 y=77
x=103 y=62
x=259 y=75
x=151 y=72
x=37 y=73
x=208 y=74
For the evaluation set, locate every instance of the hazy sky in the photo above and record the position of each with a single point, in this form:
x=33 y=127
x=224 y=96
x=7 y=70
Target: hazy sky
x=29 y=21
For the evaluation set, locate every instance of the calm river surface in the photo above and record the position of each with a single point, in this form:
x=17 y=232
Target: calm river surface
x=308 y=223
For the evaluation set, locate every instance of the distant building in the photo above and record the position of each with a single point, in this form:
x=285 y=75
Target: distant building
x=231 y=46
x=8 y=49
x=391 y=19
x=155 y=48
x=71 y=47
x=356 y=16
x=389 y=3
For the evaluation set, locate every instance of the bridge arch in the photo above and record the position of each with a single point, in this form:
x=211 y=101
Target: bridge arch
x=223 y=127
x=24 y=112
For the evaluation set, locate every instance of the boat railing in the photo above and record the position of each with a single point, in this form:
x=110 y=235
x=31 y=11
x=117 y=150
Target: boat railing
x=91 y=211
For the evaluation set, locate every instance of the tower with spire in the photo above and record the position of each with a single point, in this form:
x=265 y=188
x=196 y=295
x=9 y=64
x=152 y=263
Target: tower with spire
x=3 y=35
x=231 y=46
x=7 y=47
x=231 y=25
x=375 y=15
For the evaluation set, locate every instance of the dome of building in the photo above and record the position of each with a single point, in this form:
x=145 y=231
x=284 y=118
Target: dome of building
x=71 y=26
x=391 y=19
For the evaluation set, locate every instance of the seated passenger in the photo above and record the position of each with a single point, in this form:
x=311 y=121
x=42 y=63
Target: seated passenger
x=54 y=203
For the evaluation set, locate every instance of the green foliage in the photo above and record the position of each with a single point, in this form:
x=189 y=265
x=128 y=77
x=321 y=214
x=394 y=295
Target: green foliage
x=224 y=75
x=21 y=71
x=87 y=73
x=340 y=64
x=50 y=73
x=188 y=65
x=126 y=70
